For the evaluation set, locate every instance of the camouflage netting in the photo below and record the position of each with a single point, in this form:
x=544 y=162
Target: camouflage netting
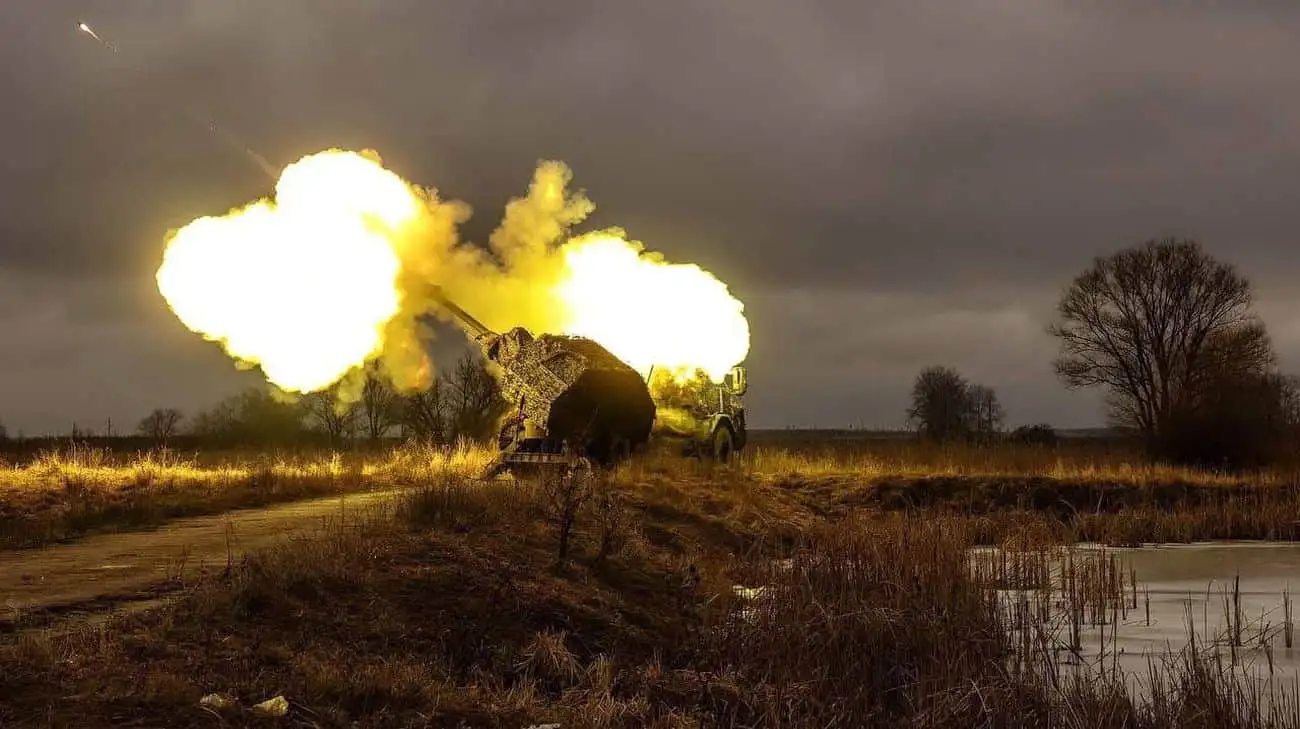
x=575 y=387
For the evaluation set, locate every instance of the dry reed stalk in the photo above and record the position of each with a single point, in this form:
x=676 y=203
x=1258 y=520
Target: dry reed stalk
x=1288 y=626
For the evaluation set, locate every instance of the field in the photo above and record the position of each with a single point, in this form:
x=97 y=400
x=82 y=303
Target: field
x=668 y=594
x=1093 y=491
x=61 y=494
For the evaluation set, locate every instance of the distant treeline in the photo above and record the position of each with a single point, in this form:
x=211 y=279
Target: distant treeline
x=1169 y=335
x=464 y=403
x=852 y=434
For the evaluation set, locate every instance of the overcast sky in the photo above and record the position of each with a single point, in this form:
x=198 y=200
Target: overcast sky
x=886 y=185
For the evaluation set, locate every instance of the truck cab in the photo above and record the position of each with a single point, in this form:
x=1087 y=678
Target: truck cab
x=706 y=418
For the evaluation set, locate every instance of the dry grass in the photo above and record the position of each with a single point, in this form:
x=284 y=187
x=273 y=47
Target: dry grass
x=456 y=618
x=1086 y=491
x=1071 y=461
x=1068 y=494
x=70 y=493
x=447 y=611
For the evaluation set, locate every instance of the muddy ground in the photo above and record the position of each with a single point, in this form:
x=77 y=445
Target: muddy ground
x=136 y=569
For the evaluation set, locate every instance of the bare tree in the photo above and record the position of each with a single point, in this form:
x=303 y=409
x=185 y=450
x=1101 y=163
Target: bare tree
x=424 y=414
x=476 y=404
x=335 y=418
x=1148 y=323
x=986 y=412
x=160 y=424
x=219 y=421
x=464 y=403
x=378 y=406
x=945 y=407
x=252 y=416
x=940 y=404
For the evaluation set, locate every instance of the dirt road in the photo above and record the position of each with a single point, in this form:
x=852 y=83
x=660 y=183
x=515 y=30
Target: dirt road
x=107 y=570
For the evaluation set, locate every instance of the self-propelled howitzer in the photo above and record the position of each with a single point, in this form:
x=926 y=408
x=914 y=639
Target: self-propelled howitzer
x=570 y=398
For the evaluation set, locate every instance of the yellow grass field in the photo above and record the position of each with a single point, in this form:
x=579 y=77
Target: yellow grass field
x=1090 y=490
x=452 y=607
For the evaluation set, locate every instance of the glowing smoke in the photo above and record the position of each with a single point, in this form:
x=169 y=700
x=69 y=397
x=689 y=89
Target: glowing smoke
x=334 y=273
x=303 y=286
x=649 y=312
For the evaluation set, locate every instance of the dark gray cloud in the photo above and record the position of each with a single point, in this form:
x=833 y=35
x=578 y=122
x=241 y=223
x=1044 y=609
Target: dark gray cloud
x=887 y=185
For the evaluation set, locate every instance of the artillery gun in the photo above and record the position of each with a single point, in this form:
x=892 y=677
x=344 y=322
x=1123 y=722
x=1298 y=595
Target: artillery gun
x=575 y=403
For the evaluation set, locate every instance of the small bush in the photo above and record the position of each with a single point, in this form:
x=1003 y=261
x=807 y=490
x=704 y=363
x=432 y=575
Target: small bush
x=1041 y=435
x=563 y=496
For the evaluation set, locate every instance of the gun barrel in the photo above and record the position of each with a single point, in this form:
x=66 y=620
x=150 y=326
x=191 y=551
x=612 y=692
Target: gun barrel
x=474 y=327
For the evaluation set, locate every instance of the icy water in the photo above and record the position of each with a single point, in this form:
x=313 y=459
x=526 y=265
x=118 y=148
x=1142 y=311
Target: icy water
x=1093 y=609
x=1233 y=597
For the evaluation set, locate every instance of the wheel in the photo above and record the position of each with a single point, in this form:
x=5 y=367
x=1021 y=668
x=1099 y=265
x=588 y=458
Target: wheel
x=722 y=445
x=510 y=433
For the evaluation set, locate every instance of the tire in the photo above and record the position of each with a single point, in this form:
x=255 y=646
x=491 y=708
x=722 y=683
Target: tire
x=721 y=445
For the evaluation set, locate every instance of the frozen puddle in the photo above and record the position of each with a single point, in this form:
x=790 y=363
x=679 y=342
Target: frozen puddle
x=1135 y=610
x=1130 y=608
